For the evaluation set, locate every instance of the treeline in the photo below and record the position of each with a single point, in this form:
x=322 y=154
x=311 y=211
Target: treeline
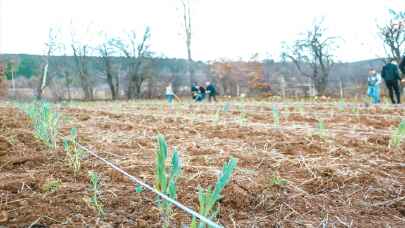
x=231 y=77
x=127 y=68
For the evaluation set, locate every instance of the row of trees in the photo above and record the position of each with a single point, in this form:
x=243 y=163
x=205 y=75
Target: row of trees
x=126 y=63
x=133 y=52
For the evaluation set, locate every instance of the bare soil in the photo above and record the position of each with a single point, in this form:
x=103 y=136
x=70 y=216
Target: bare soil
x=285 y=178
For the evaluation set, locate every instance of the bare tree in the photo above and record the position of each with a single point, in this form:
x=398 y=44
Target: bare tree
x=51 y=46
x=312 y=56
x=80 y=54
x=393 y=35
x=106 y=50
x=136 y=54
x=186 y=10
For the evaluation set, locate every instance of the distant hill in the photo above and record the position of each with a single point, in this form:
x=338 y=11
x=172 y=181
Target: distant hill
x=347 y=76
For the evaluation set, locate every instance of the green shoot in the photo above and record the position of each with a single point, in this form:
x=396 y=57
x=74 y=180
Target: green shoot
x=45 y=121
x=341 y=105
x=73 y=153
x=277 y=181
x=398 y=135
x=208 y=199
x=217 y=116
x=95 y=189
x=276 y=116
x=242 y=115
x=321 y=128
x=165 y=182
x=226 y=107
x=51 y=186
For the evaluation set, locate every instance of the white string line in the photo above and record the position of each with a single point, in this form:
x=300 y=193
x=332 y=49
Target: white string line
x=353 y=131
x=138 y=181
x=143 y=184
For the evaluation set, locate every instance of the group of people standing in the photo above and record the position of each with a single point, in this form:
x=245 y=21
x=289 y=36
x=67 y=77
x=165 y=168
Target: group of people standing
x=199 y=93
x=392 y=78
x=389 y=73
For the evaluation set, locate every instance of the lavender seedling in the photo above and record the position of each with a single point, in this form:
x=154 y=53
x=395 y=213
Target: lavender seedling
x=397 y=136
x=74 y=154
x=276 y=116
x=208 y=199
x=95 y=189
x=165 y=182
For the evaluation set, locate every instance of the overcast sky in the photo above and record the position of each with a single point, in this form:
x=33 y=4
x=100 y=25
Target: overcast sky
x=221 y=28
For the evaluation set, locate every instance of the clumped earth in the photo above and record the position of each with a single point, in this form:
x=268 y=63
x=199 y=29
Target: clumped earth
x=285 y=177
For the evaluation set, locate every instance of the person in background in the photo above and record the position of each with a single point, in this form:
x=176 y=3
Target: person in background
x=211 y=91
x=390 y=74
x=201 y=94
x=169 y=93
x=373 y=90
x=194 y=90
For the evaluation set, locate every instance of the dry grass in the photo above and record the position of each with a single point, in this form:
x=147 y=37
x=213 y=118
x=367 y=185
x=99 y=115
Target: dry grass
x=286 y=177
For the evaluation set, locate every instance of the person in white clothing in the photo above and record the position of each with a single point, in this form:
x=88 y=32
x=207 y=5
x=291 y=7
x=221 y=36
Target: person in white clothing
x=169 y=93
x=374 y=81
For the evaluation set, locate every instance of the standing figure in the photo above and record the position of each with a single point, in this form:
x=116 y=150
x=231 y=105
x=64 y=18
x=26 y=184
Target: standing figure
x=201 y=94
x=194 y=90
x=169 y=93
x=373 y=90
x=211 y=91
x=391 y=77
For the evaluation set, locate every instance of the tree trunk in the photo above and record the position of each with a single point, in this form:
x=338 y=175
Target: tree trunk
x=117 y=86
x=135 y=81
x=190 y=68
x=42 y=82
x=67 y=83
x=131 y=88
x=111 y=85
x=138 y=87
x=110 y=77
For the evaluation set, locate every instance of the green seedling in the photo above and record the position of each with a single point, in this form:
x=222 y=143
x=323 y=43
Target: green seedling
x=277 y=181
x=341 y=105
x=276 y=117
x=242 y=115
x=165 y=181
x=74 y=154
x=398 y=135
x=208 y=199
x=45 y=121
x=226 y=107
x=51 y=186
x=321 y=128
x=217 y=116
x=95 y=189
